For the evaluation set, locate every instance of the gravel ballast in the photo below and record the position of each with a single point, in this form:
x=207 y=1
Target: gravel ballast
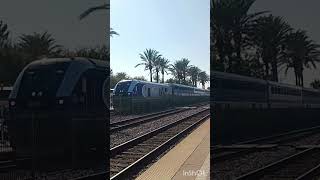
x=122 y=136
x=245 y=163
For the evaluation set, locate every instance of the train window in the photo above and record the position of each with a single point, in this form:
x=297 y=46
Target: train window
x=165 y=89
x=149 y=92
x=122 y=88
x=41 y=79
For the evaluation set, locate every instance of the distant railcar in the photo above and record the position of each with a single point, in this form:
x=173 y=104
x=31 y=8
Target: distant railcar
x=140 y=96
x=236 y=91
x=58 y=107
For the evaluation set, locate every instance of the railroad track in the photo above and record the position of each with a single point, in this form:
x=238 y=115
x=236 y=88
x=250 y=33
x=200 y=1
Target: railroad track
x=129 y=157
x=11 y=165
x=300 y=166
x=221 y=153
x=117 y=126
x=6 y=166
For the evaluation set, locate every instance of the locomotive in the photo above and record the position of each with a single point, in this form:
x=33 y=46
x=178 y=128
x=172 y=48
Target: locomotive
x=58 y=108
x=236 y=91
x=140 y=96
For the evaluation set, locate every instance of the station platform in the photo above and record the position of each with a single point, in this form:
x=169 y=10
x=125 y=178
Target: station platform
x=188 y=160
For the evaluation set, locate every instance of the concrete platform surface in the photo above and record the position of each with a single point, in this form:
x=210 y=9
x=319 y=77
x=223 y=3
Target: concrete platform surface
x=188 y=160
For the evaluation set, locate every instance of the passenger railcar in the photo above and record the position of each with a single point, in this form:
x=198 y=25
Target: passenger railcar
x=235 y=91
x=311 y=98
x=140 y=96
x=284 y=95
x=58 y=108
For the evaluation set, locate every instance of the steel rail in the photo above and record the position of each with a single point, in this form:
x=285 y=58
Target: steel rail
x=160 y=146
x=114 y=127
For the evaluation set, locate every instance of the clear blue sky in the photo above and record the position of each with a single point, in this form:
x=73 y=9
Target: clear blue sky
x=176 y=28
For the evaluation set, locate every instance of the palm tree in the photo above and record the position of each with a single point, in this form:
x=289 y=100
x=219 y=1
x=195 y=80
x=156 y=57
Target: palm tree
x=230 y=24
x=315 y=84
x=38 y=45
x=4 y=34
x=184 y=68
x=95 y=9
x=300 y=52
x=157 y=66
x=177 y=70
x=164 y=66
x=269 y=37
x=194 y=72
x=148 y=58
x=203 y=78
x=112 y=32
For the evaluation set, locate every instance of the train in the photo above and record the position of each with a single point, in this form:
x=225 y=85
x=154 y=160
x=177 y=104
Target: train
x=58 y=108
x=231 y=91
x=136 y=96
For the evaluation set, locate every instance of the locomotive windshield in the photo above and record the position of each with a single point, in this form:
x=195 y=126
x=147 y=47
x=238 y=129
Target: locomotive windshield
x=42 y=80
x=122 y=88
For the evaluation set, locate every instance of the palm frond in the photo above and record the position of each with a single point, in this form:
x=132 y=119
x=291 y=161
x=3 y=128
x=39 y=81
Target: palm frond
x=93 y=9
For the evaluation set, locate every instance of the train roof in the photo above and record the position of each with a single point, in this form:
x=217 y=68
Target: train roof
x=311 y=89
x=236 y=77
x=80 y=60
x=77 y=66
x=182 y=85
x=147 y=82
x=163 y=84
x=240 y=77
x=284 y=85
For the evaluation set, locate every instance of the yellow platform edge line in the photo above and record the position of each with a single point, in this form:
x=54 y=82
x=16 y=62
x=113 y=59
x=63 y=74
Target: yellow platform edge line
x=184 y=154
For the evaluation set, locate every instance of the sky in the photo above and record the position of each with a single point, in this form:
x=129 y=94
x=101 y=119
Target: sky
x=176 y=28
x=300 y=15
x=58 y=17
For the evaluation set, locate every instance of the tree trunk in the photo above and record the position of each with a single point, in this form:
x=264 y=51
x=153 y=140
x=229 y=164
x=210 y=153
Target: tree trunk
x=274 y=71
x=302 y=83
x=162 y=77
x=267 y=71
x=150 y=75
x=295 y=74
x=157 y=76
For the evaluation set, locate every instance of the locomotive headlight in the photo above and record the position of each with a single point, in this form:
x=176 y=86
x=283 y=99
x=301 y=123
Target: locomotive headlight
x=12 y=103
